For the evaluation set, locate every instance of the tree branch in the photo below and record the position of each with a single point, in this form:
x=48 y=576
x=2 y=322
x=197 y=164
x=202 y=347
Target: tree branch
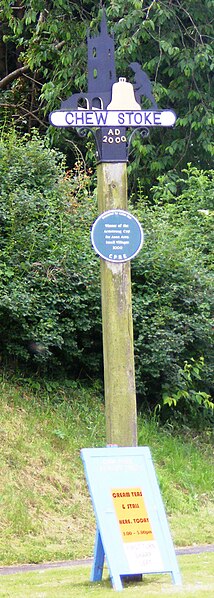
x=14 y=75
x=59 y=45
x=191 y=19
x=23 y=69
x=26 y=112
x=149 y=8
x=32 y=79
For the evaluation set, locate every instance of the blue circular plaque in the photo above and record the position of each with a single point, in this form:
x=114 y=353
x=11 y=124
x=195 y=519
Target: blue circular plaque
x=117 y=236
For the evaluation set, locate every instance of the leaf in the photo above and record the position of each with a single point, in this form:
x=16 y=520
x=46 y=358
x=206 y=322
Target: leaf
x=169 y=401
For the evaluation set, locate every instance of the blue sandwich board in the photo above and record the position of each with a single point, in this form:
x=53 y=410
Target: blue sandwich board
x=132 y=529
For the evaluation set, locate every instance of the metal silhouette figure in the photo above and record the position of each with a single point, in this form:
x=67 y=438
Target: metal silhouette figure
x=101 y=72
x=142 y=84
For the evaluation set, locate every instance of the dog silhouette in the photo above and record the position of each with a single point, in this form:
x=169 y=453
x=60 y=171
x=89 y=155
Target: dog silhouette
x=142 y=84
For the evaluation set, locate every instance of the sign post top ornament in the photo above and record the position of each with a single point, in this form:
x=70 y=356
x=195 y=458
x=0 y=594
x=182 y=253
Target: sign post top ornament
x=110 y=106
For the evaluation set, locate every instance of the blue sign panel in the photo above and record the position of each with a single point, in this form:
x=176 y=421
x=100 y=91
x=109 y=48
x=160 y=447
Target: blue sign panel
x=132 y=528
x=117 y=236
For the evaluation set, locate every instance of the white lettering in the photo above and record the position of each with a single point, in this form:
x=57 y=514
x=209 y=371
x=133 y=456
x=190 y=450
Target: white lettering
x=122 y=256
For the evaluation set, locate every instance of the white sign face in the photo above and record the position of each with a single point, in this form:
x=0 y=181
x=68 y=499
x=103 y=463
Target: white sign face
x=112 y=118
x=144 y=556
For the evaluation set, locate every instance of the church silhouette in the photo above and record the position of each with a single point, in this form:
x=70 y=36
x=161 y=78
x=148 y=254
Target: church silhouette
x=101 y=72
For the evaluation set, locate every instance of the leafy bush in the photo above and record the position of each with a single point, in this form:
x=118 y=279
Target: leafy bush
x=50 y=282
x=173 y=280
x=48 y=298
x=185 y=399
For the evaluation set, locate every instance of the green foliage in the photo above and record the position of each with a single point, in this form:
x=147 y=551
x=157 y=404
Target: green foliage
x=186 y=397
x=173 y=284
x=50 y=310
x=172 y=41
x=48 y=294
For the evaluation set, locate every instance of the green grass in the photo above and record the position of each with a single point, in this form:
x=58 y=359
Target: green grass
x=45 y=508
x=196 y=570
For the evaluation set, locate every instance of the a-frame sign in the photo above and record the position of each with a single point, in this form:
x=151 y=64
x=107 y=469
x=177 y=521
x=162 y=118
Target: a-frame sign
x=132 y=529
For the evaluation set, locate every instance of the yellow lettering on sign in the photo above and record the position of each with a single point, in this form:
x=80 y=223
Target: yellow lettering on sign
x=132 y=514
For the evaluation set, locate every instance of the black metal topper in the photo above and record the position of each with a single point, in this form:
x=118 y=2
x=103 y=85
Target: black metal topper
x=109 y=106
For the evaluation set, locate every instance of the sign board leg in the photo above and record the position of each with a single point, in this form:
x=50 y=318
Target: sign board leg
x=117 y=583
x=176 y=576
x=97 y=570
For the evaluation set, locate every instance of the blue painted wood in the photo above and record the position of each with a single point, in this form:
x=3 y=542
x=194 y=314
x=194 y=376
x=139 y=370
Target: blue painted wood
x=127 y=468
x=97 y=569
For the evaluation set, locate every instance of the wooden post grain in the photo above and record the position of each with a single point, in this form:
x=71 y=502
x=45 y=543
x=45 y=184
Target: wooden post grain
x=118 y=350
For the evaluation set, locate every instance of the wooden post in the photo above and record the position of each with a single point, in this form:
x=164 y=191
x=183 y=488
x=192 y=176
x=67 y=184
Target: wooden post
x=118 y=349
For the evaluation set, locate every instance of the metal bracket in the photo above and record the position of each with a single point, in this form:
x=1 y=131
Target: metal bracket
x=106 y=148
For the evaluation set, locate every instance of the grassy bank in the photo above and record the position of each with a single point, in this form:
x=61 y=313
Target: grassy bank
x=45 y=509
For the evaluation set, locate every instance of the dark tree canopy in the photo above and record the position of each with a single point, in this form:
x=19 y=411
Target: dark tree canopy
x=43 y=60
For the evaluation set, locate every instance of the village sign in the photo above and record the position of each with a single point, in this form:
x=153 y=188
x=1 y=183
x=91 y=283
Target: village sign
x=109 y=106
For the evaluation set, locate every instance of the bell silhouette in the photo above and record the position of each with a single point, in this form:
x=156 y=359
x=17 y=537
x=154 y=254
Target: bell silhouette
x=123 y=97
